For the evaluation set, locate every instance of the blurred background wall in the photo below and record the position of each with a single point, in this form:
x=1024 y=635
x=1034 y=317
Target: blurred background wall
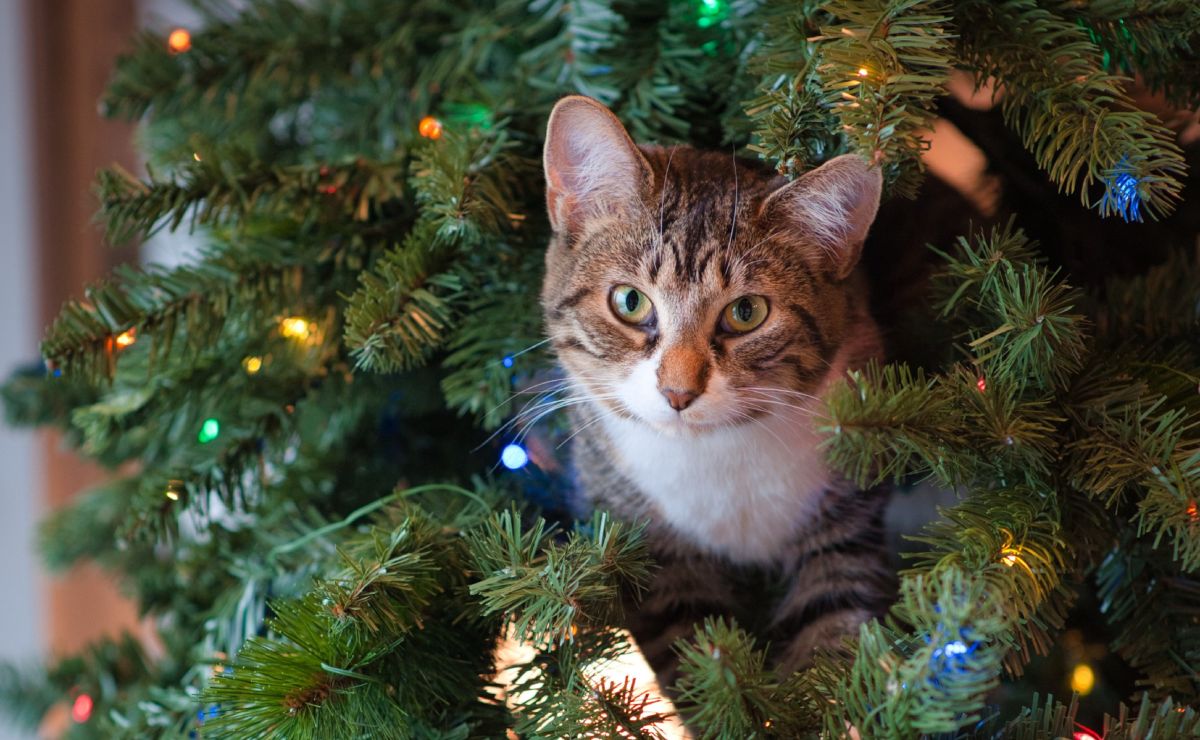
x=55 y=57
x=21 y=631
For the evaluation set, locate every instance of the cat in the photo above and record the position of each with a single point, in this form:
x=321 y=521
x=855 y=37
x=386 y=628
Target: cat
x=699 y=305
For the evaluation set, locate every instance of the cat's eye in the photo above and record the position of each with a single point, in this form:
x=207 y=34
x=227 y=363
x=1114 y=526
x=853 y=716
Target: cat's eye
x=745 y=314
x=630 y=304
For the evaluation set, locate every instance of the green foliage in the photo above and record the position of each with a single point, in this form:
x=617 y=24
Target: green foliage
x=883 y=65
x=1074 y=117
x=318 y=569
x=725 y=687
x=1054 y=719
x=552 y=589
x=900 y=687
x=1044 y=430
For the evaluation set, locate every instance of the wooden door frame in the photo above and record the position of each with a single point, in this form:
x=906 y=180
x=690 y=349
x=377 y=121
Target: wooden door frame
x=73 y=44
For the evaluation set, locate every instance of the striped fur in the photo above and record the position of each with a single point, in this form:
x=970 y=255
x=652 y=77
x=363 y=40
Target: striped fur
x=744 y=517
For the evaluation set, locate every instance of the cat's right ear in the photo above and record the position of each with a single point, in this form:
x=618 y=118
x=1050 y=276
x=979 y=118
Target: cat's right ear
x=592 y=166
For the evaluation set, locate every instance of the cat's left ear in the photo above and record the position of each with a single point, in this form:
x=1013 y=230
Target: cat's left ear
x=833 y=206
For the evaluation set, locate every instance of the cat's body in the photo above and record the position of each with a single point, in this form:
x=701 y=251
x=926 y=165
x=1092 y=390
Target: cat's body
x=700 y=306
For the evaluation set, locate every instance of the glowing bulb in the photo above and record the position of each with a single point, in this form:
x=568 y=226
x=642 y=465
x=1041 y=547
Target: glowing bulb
x=711 y=12
x=958 y=647
x=430 y=128
x=863 y=71
x=126 y=338
x=295 y=327
x=209 y=430
x=508 y=362
x=981 y=384
x=1193 y=513
x=196 y=156
x=1085 y=735
x=1083 y=679
x=252 y=364
x=179 y=41
x=81 y=710
x=514 y=456
x=1011 y=556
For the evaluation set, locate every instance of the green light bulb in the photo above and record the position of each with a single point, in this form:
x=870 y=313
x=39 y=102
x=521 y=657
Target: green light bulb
x=711 y=12
x=209 y=431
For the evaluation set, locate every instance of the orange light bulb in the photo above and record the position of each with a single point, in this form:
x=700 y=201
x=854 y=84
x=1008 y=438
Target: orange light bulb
x=179 y=41
x=430 y=128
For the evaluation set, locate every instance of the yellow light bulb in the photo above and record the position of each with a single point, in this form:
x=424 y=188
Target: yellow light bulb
x=252 y=364
x=1011 y=556
x=1083 y=679
x=295 y=327
x=126 y=338
x=863 y=71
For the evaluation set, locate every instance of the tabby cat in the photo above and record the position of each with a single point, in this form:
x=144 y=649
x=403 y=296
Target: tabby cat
x=699 y=305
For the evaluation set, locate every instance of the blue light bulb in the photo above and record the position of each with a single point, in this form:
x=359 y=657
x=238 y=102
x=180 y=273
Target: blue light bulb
x=514 y=456
x=507 y=361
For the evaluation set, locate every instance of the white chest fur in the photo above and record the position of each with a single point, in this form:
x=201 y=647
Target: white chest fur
x=741 y=491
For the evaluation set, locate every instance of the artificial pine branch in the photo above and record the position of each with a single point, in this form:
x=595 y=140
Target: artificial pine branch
x=208 y=193
x=1074 y=117
x=884 y=64
x=1156 y=39
x=725 y=688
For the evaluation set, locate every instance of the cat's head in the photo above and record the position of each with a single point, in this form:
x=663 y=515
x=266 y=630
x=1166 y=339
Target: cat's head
x=692 y=290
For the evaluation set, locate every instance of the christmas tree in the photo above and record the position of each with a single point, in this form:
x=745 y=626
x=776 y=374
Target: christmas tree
x=336 y=497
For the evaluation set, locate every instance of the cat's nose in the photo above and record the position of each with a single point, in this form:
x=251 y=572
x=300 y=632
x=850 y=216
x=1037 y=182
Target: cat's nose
x=679 y=400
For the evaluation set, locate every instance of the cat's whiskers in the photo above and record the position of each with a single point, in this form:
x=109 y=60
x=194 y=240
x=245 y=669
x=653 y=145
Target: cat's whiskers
x=543 y=401
x=798 y=408
x=786 y=391
x=558 y=384
x=530 y=348
x=605 y=413
x=733 y=225
x=527 y=427
x=662 y=195
x=783 y=445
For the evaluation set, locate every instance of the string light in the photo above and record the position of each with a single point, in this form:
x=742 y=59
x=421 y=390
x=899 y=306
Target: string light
x=863 y=71
x=981 y=384
x=209 y=712
x=1010 y=553
x=196 y=156
x=180 y=41
x=430 y=128
x=126 y=338
x=81 y=709
x=296 y=327
x=1083 y=679
x=711 y=12
x=1126 y=198
x=1011 y=556
x=1192 y=512
x=174 y=489
x=514 y=456
x=209 y=430
x=1084 y=734
x=507 y=361
x=952 y=656
x=252 y=364
x=1122 y=193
